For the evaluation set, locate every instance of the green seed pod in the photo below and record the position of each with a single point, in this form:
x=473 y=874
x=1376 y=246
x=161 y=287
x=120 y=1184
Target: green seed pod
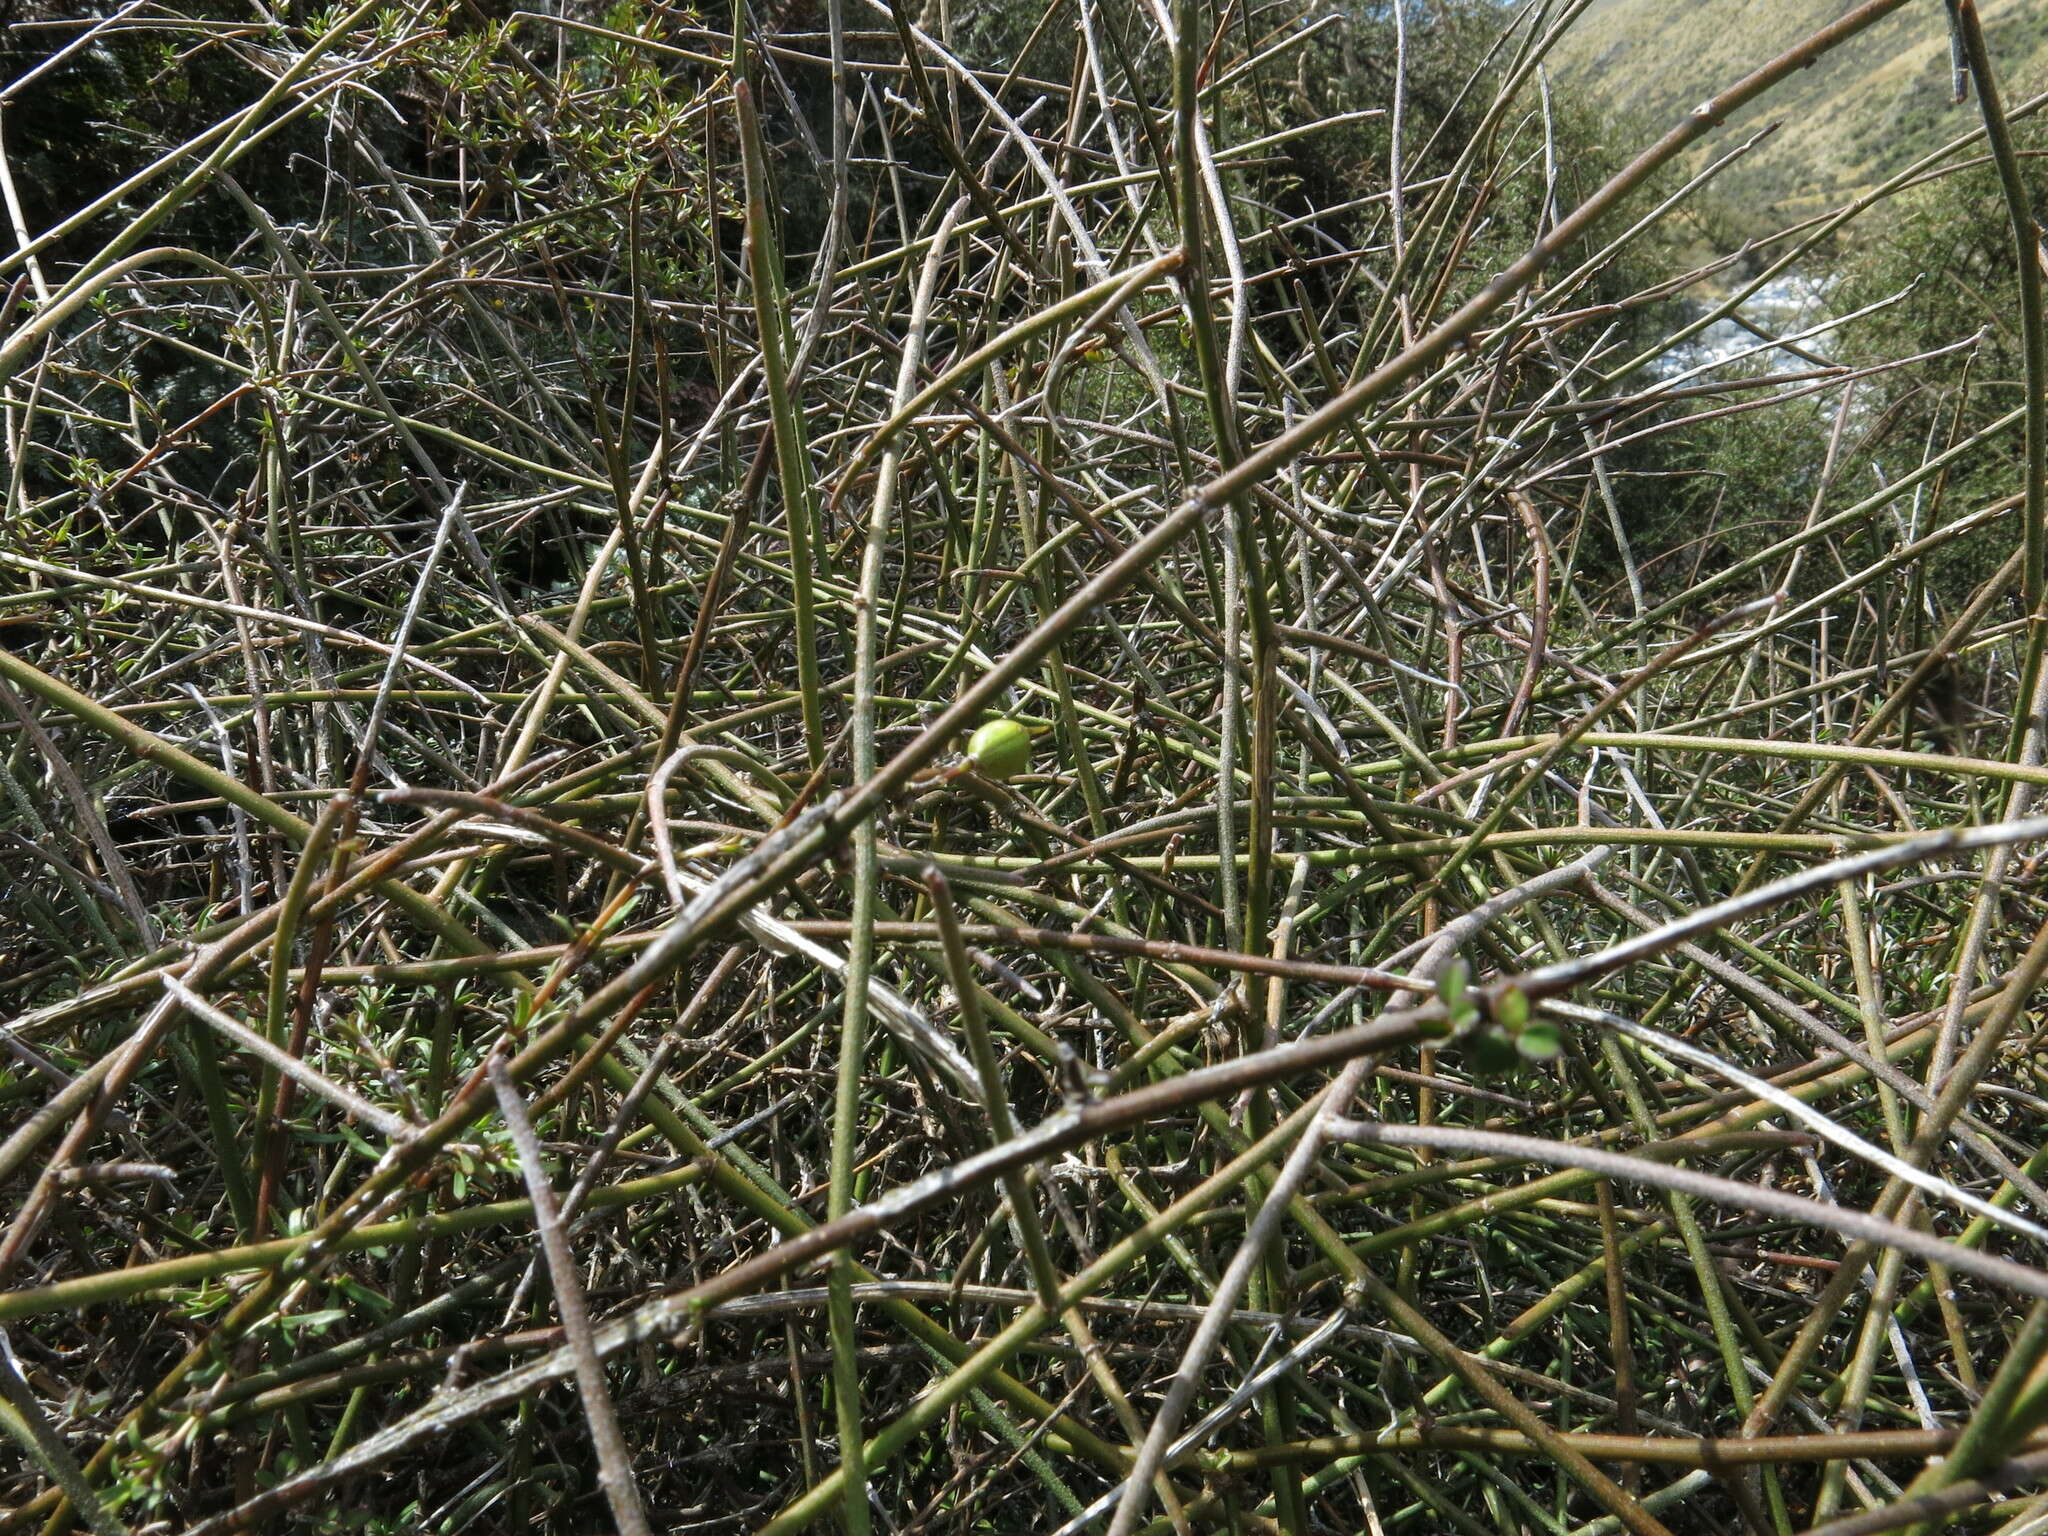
x=1001 y=749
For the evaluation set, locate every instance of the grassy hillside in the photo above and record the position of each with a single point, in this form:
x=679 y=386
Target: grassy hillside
x=1864 y=110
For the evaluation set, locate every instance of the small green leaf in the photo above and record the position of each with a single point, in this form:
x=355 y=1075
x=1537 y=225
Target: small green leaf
x=1493 y=1053
x=312 y=1322
x=1540 y=1040
x=1511 y=1007
x=1456 y=977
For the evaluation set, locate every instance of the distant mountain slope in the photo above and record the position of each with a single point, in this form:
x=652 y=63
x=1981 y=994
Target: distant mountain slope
x=1863 y=111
